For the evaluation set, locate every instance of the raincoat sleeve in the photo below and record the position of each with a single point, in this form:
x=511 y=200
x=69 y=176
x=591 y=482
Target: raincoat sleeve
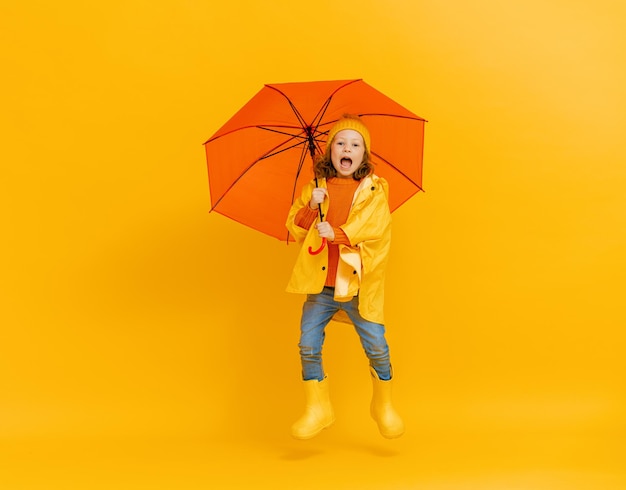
x=299 y=233
x=371 y=218
x=305 y=217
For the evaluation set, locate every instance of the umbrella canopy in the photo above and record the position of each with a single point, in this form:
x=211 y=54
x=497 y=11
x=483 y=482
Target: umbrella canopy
x=260 y=159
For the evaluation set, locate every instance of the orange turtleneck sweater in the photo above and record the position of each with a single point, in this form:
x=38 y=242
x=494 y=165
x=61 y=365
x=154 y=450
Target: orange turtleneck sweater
x=340 y=194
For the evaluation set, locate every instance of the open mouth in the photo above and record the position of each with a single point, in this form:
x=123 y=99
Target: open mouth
x=345 y=163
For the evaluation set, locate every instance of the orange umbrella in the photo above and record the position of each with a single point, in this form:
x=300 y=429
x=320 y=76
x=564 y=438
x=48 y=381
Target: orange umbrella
x=260 y=159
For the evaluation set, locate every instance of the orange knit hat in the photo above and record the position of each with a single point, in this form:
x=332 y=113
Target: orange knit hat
x=349 y=121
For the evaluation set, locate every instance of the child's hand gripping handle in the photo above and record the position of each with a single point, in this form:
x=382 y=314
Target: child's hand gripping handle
x=317 y=197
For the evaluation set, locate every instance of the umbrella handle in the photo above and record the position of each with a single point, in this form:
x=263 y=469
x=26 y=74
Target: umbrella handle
x=315 y=252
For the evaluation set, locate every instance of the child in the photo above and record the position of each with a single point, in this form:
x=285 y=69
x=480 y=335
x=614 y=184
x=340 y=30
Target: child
x=347 y=276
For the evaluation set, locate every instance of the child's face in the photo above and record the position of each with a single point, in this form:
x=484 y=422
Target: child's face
x=347 y=151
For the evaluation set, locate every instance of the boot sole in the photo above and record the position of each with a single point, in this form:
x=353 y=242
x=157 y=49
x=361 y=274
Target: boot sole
x=311 y=436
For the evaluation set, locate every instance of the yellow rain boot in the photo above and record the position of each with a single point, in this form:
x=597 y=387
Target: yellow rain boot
x=389 y=422
x=318 y=414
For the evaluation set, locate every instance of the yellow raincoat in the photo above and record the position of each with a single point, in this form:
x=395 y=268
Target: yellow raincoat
x=361 y=268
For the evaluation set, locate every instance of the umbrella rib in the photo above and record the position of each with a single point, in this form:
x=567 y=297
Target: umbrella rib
x=309 y=129
x=269 y=153
x=320 y=112
x=324 y=108
x=320 y=115
x=325 y=105
x=302 y=139
x=399 y=116
x=271 y=130
x=398 y=170
x=291 y=104
x=253 y=126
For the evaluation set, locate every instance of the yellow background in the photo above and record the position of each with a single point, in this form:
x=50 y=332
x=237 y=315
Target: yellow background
x=148 y=344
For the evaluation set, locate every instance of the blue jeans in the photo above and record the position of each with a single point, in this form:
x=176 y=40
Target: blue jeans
x=317 y=312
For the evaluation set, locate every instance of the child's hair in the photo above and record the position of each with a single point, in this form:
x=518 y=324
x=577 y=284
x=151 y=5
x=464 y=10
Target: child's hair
x=323 y=165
